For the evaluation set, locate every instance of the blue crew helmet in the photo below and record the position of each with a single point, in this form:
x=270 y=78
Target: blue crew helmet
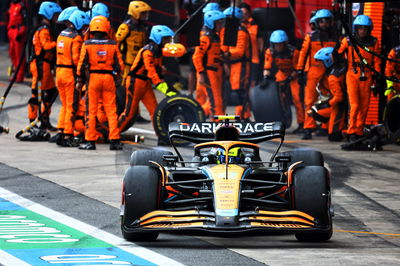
x=160 y=31
x=278 y=36
x=325 y=55
x=235 y=11
x=100 y=9
x=362 y=20
x=323 y=13
x=48 y=9
x=211 y=6
x=66 y=13
x=211 y=16
x=79 y=19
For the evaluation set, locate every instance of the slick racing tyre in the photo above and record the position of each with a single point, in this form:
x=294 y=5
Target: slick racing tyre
x=269 y=104
x=142 y=157
x=307 y=156
x=311 y=192
x=141 y=192
x=391 y=118
x=175 y=109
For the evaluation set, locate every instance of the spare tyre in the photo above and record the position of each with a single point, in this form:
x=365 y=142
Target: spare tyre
x=175 y=109
x=270 y=104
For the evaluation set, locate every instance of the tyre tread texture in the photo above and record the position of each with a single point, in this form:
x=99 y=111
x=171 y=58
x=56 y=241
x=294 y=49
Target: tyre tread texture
x=311 y=183
x=141 y=184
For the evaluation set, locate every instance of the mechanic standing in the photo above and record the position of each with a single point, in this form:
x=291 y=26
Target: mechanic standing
x=256 y=42
x=145 y=71
x=131 y=34
x=101 y=56
x=285 y=57
x=42 y=62
x=69 y=44
x=359 y=79
x=207 y=61
x=324 y=36
x=393 y=70
x=17 y=36
x=237 y=59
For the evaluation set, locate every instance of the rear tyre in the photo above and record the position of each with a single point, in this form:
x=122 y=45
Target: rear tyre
x=141 y=192
x=142 y=157
x=309 y=157
x=311 y=192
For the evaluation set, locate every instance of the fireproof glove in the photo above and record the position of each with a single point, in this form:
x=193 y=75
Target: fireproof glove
x=389 y=86
x=163 y=87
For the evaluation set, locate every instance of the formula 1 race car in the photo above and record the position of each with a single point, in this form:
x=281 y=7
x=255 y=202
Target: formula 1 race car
x=226 y=188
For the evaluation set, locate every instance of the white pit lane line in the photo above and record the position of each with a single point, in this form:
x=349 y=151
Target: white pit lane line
x=130 y=247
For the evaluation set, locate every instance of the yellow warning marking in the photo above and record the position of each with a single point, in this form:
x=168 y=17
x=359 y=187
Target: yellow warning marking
x=372 y=233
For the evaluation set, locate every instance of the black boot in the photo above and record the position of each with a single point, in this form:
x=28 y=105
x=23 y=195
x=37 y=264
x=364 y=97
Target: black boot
x=307 y=133
x=115 y=145
x=56 y=138
x=335 y=136
x=299 y=129
x=68 y=141
x=321 y=132
x=90 y=145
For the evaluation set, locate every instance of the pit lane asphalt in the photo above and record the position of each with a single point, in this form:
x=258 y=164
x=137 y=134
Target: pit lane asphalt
x=86 y=185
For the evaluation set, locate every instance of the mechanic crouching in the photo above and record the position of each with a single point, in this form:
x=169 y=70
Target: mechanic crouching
x=334 y=109
x=103 y=59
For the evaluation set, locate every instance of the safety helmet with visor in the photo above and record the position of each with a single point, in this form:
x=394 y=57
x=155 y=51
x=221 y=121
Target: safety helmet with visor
x=211 y=17
x=100 y=9
x=49 y=9
x=158 y=32
x=136 y=8
x=79 y=19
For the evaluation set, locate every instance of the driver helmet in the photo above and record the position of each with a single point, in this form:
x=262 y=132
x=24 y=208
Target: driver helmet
x=235 y=155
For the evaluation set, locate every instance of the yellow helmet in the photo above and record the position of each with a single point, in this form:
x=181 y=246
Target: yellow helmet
x=137 y=7
x=99 y=23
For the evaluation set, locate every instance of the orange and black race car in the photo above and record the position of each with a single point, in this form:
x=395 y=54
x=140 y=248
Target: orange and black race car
x=226 y=187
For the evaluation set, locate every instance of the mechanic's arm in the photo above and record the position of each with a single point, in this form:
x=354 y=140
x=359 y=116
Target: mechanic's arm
x=77 y=43
x=377 y=60
x=304 y=52
x=122 y=32
x=268 y=59
x=389 y=69
x=237 y=52
x=45 y=40
x=335 y=86
x=200 y=52
x=83 y=58
x=149 y=65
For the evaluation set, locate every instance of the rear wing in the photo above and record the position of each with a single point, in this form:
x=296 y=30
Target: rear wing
x=248 y=131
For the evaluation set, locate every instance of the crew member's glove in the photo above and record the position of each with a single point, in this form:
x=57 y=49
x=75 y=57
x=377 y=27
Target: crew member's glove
x=265 y=81
x=163 y=87
x=390 y=89
x=301 y=77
